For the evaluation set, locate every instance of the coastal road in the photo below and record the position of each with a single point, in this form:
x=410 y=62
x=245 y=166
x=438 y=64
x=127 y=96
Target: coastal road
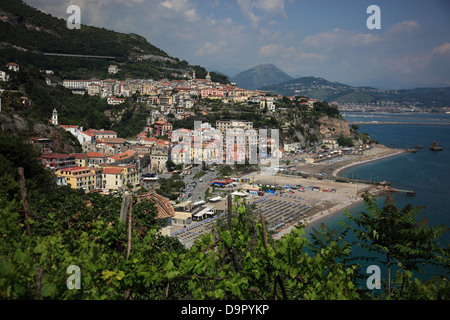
x=198 y=193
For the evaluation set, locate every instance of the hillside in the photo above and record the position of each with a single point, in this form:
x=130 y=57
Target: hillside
x=260 y=75
x=324 y=90
x=27 y=33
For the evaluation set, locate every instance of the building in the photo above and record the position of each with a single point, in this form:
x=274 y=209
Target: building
x=224 y=125
x=162 y=128
x=78 y=178
x=56 y=161
x=267 y=102
x=4 y=76
x=158 y=158
x=116 y=177
x=96 y=158
x=113 y=69
x=80 y=159
x=124 y=157
x=112 y=100
x=330 y=143
x=94 y=89
x=12 y=66
x=44 y=145
x=101 y=134
x=55 y=117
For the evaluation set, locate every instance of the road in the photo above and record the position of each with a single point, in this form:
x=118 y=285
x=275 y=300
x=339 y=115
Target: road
x=198 y=193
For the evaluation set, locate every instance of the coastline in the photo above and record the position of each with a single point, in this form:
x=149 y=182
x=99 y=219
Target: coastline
x=357 y=163
x=352 y=200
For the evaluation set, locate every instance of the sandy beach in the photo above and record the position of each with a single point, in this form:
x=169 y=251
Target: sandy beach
x=333 y=167
x=346 y=195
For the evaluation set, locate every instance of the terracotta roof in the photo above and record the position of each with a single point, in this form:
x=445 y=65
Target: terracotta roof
x=112 y=171
x=95 y=155
x=163 y=206
x=56 y=156
x=79 y=155
x=75 y=169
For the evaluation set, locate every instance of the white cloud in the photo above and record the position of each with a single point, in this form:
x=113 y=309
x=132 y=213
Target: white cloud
x=270 y=50
x=267 y=8
x=209 y=48
x=405 y=27
x=442 y=49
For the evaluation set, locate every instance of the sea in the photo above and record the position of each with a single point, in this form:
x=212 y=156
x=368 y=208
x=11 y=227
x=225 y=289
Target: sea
x=427 y=173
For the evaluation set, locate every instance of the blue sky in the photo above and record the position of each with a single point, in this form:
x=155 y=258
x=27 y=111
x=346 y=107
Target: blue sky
x=323 y=38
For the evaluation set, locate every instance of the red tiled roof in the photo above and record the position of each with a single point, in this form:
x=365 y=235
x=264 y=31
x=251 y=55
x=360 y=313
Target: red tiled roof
x=163 y=206
x=95 y=155
x=74 y=169
x=112 y=170
x=79 y=155
x=55 y=156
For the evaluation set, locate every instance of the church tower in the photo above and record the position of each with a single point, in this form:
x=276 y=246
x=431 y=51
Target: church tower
x=208 y=77
x=55 y=117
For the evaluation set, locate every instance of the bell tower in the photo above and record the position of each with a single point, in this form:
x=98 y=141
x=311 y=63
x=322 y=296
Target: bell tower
x=55 y=117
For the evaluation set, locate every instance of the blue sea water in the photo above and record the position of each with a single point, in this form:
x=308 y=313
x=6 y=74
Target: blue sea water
x=425 y=172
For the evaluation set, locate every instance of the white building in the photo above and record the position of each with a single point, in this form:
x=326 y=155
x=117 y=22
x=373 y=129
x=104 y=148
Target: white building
x=267 y=102
x=13 y=66
x=111 y=100
x=113 y=69
x=55 y=117
x=4 y=76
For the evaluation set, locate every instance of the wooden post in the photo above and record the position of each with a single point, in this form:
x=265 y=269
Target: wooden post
x=124 y=208
x=129 y=227
x=23 y=191
x=230 y=209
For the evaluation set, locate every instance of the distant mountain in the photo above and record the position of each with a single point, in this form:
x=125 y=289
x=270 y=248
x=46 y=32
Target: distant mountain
x=260 y=75
x=27 y=33
x=324 y=90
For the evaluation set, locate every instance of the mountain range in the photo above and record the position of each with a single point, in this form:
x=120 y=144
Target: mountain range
x=324 y=90
x=259 y=76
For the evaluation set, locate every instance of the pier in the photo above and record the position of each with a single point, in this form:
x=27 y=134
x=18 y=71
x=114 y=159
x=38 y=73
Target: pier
x=406 y=192
x=396 y=122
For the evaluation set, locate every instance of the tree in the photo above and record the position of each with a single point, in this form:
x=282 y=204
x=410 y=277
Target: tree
x=396 y=235
x=345 y=141
x=170 y=165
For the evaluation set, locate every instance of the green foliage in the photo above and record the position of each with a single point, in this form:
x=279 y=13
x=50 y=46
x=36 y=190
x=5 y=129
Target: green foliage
x=86 y=111
x=133 y=120
x=399 y=239
x=345 y=141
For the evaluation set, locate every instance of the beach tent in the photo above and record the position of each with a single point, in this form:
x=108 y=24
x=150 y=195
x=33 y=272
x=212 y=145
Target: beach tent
x=215 y=199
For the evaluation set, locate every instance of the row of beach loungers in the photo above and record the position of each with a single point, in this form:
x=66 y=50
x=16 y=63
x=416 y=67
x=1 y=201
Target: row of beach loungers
x=277 y=212
x=188 y=235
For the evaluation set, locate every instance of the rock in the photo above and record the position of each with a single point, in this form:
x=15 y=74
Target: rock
x=333 y=127
x=435 y=147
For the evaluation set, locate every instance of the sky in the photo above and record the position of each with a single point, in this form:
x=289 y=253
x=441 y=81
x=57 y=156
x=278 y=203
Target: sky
x=322 y=38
